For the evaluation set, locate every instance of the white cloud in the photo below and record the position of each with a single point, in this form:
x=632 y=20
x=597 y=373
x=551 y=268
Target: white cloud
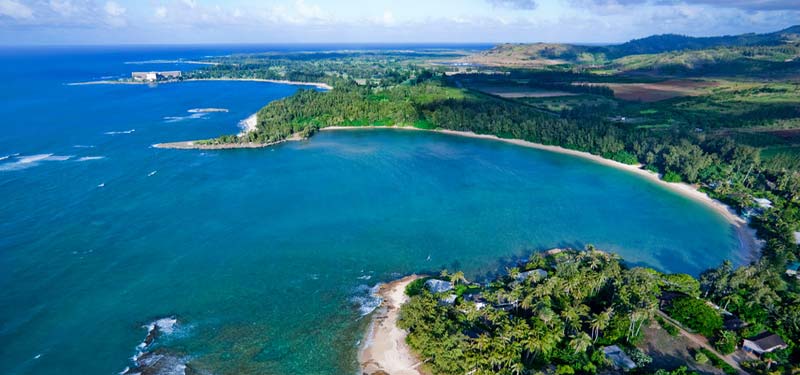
x=161 y=12
x=113 y=9
x=65 y=8
x=15 y=9
x=190 y=3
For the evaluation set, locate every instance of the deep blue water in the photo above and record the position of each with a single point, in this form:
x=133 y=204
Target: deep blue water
x=266 y=256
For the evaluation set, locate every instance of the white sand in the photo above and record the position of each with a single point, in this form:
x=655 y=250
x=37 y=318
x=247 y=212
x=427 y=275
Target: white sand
x=385 y=350
x=749 y=243
x=249 y=124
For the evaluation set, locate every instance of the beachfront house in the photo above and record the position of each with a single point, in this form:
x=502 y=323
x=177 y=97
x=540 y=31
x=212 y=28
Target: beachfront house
x=172 y=74
x=618 y=358
x=144 y=76
x=764 y=342
x=763 y=203
x=537 y=274
x=155 y=76
x=438 y=286
x=793 y=269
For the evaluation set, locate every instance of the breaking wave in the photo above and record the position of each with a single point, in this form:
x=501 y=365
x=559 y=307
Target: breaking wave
x=366 y=298
x=120 y=132
x=28 y=161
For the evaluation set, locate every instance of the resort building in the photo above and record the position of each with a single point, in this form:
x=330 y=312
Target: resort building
x=155 y=76
x=438 y=286
x=618 y=358
x=144 y=76
x=765 y=342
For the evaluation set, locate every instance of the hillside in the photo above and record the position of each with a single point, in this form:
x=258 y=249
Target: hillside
x=682 y=51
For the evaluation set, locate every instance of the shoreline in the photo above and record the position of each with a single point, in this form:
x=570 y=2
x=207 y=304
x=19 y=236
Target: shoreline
x=748 y=241
x=319 y=85
x=384 y=349
x=191 y=145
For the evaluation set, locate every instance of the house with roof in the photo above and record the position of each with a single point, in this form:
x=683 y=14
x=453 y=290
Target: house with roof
x=793 y=269
x=438 y=286
x=618 y=358
x=764 y=342
x=538 y=273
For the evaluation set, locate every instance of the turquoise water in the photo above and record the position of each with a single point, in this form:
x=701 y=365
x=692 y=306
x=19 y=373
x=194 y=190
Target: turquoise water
x=266 y=256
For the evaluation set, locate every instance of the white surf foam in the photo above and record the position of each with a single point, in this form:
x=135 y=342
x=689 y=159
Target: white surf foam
x=89 y=158
x=28 y=161
x=367 y=298
x=207 y=110
x=120 y=132
x=170 y=119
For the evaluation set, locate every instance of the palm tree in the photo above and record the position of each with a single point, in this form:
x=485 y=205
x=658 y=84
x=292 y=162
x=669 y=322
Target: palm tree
x=580 y=342
x=457 y=277
x=600 y=322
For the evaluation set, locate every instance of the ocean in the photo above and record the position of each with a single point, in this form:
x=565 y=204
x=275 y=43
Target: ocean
x=262 y=260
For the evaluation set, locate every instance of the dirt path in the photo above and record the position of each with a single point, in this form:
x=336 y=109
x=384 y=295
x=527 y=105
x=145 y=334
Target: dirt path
x=703 y=342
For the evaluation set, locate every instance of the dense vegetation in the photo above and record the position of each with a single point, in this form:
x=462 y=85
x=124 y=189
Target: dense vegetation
x=737 y=139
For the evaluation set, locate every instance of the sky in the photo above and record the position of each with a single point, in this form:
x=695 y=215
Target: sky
x=380 y=21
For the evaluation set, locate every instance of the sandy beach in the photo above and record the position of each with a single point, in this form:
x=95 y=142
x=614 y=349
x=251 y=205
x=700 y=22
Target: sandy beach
x=249 y=124
x=319 y=85
x=750 y=244
x=384 y=351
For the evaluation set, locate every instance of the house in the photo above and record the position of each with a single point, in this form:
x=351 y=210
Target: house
x=144 y=76
x=797 y=238
x=732 y=322
x=173 y=74
x=764 y=342
x=764 y=203
x=448 y=300
x=155 y=76
x=478 y=300
x=793 y=269
x=618 y=358
x=438 y=286
x=539 y=273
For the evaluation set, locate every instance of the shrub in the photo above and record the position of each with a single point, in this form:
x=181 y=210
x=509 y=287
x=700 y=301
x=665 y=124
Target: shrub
x=701 y=358
x=696 y=314
x=671 y=176
x=726 y=342
x=416 y=287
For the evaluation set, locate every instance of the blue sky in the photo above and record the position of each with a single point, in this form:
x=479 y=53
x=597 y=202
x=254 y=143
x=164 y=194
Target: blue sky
x=431 y=21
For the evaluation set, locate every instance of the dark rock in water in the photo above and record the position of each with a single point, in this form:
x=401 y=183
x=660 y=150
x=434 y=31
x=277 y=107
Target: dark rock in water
x=160 y=362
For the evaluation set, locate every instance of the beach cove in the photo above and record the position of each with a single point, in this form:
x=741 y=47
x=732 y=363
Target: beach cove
x=265 y=260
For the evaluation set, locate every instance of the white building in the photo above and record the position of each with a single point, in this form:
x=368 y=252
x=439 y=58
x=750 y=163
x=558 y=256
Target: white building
x=764 y=342
x=540 y=274
x=144 y=76
x=438 y=286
